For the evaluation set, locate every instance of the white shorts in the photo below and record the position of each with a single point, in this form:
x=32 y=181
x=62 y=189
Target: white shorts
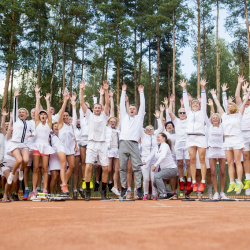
x=215 y=153
x=182 y=154
x=246 y=138
x=6 y=168
x=113 y=153
x=233 y=142
x=84 y=141
x=15 y=145
x=199 y=141
x=95 y=149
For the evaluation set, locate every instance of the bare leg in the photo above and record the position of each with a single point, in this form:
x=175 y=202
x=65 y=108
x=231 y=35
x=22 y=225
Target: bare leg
x=45 y=162
x=222 y=163
x=192 y=153
x=76 y=172
x=36 y=160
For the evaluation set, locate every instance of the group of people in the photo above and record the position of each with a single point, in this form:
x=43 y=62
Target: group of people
x=183 y=151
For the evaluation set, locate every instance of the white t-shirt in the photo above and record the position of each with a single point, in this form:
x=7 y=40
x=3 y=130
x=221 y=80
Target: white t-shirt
x=231 y=124
x=97 y=126
x=180 y=130
x=215 y=136
x=245 y=125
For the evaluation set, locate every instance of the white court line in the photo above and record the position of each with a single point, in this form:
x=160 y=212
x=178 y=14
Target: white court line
x=44 y=207
x=161 y=205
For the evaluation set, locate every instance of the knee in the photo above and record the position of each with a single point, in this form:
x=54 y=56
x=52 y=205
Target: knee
x=222 y=174
x=105 y=169
x=19 y=160
x=245 y=157
x=180 y=164
x=213 y=173
x=35 y=170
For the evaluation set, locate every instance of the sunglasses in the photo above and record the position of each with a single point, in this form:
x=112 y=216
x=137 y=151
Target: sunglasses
x=148 y=129
x=182 y=113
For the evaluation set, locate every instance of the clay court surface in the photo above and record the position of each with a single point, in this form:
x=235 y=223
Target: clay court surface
x=125 y=225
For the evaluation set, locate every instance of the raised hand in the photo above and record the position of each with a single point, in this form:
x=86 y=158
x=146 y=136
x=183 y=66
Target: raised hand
x=140 y=88
x=111 y=94
x=183 y=84
x=162 y=108
x=165 y=102
x=172 y=98
x=105 y=86
x=203 y=83
x=157 y=114
x=87 y=104
x=190 y=98
x=38 y=96
x=224 y=87
x=73 y=97
x=82 y=84
x=126 y=98
x=47 y=96
x=210 y=102
x=124 y=87
x=241 y=79
x=244 y=86
x=17 y=93
x=101 y=91
x=37 y=90
x=230 y=99
x=213 y=92
x=4 y=112
x=65 y=96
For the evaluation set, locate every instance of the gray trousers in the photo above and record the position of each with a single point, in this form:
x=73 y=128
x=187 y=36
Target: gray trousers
x=164 y=174
x=130 y=149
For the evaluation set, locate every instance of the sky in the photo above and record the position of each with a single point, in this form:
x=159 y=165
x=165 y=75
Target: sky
x=187 y=66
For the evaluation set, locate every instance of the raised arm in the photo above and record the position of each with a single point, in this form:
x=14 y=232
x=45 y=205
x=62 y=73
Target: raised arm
x=141 y=112
x=4 y=114
x=219 y=108
x=237 y=92
x=112 y=105
x=101 y=100
x=47 y=97
x=203 y=84
x=15 y=105
x=157 y=115
x=38 y=97
x=73 y=103
x=9 y=131
x=127 y=103
x=122 y=101
x=170 y=109
x=224 y=95
x=243 y=106
x=106 y=91
x=81 y=96
x=65 y=100
x=211 y=105
x=183 y=84
x=168 y=118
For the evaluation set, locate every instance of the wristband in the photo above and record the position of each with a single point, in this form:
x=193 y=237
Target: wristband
x=214 y=96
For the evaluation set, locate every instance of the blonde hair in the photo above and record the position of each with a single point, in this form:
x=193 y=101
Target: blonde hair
x=168 y=141
x=217 y=114
x=24 y=110
x=112 y=118
x=235 y=108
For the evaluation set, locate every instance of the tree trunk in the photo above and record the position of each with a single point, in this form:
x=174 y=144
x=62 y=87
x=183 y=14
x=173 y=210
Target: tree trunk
x=104 y=51
x=199 y=50
x=217 y=53
x=135 y=85
x=7 y=80
x=117 y=70
x=157 y=75
x=149 y=82
x=11 y=86
x=169 y=88
x=173 y=77
x=248 y=37
x=64 y=60
x=140 y=62
x=83 y=48
x=39 y=55
x=204 y=46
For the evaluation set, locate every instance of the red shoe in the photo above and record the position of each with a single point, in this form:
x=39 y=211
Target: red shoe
x=188 y=192
x=202 y=187
x=182 y=185
x=65 y=189
x=195 y=187
x=189 y=186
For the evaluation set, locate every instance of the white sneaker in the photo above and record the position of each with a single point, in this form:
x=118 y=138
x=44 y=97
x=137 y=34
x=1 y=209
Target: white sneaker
x=216 y=196
x=223 y=196
x=210 y=196
x=116 y=191
x=20 y=175
x=247 y=191
x=10 y=178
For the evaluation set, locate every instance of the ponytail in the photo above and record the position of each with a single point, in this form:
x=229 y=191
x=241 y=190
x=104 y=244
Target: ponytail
x=167 y=140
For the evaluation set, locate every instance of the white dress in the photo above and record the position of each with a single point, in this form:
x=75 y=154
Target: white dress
x=67 y=138
x=42 y=140
x=54 y=162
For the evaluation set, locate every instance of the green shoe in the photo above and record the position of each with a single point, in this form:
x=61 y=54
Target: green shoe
x=246 y=184
x=238 y=187
x=83 y=185
x=231 y=187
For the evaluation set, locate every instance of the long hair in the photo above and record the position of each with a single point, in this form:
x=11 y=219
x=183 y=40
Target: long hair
x=235 y=108
x=167 y=140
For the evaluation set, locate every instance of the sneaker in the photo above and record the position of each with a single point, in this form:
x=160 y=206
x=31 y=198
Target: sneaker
x=87 y=197
x=75 y=195
x=10 y=178
x=166 y=197
x=182 y=185
x=81 y=192
x=187 y=196
x=247 y=191
x=154 y=197
x=202 y=187
x=123 y=192
x=162 y=197
x=210 y=196
x=139 y=193
x=103 y=195
x=238 y=187
x=231 y=187
x=20 y=175
x=115 y=191
x=97 y=186
x=5 y=198
x=65 y=189
x=26 y=194
x=216 y=196
x=110 y=185
x=195 y=187
x=145 y=197
x=135 y=195
x=128 y=195
x=32 y=196
x=175 y=197
x=246 y=184
x=83 y=185
x=189 y=186
x=15 y=197
x=223 y=196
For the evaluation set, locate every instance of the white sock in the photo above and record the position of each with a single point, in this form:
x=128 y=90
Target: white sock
x=134 y=189
x=236 y=180
x=110 y=182
x=27 y=188
x=129 y=189
x=81 y=189
x=231 y=183
x=248 y=177
x=203 y=181
x=181 y=179
x=189 y=180
x=97 y=182
x=75 y=190
x=194 y=181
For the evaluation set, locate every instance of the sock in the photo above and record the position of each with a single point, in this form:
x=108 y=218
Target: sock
x=135 y=189
x=75 y=190
x=97 y=182
x=81 y=189
x=231 y=183
x=181 y=179
x=104 y=186
x=209 y=188
x=248 y=177
x=38 y=188
x=129 y=189
x=27 y=188
x=88 y=185
x=203 y=181
x=194 y=181
x=189 y=180
x=110 y=182
x=236 y=180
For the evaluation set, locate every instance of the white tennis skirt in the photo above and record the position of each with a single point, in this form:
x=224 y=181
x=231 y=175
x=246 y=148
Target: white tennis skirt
x=199 y=141
x=215 y=153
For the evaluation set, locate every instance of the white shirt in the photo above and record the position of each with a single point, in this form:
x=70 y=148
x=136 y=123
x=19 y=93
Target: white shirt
x=245 y=123
x=180 y=132
x=97 y=126
x=232 y=124
x=215 y=136
x=163 y=155
x=131 y=126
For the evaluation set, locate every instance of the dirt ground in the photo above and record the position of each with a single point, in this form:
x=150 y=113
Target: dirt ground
x=124 y=225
